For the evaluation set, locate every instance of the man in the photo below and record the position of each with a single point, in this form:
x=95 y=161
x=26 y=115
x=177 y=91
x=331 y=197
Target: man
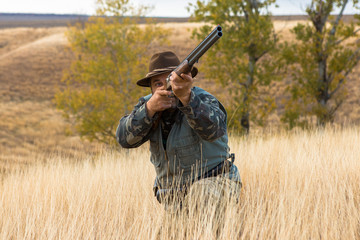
x=186 y=128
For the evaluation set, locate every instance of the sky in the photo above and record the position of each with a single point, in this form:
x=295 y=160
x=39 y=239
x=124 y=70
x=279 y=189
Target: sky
x=162 y=8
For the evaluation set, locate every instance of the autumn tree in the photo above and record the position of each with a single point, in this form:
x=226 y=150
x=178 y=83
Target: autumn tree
x=241 y=61
x=111 y=51
x=325 y=52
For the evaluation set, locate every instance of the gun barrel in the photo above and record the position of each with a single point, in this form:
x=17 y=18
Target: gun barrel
x=187 y=64
x=194 y=56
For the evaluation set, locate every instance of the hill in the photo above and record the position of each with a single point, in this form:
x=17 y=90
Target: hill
x=14 y=20
x=31 y=65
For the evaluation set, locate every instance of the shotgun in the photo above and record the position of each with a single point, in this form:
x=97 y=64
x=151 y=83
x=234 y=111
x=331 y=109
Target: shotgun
x=186 y=65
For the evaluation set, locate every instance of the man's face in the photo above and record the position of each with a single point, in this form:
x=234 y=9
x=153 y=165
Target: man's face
x=158 y=82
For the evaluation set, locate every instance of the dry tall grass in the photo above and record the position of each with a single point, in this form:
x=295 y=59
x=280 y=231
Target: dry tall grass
x=296 y=186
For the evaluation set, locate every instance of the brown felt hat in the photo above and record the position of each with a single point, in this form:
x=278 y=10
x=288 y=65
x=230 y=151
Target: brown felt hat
x=160 y=63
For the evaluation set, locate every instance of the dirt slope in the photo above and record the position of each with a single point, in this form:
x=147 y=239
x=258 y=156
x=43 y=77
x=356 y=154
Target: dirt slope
x=31 y=63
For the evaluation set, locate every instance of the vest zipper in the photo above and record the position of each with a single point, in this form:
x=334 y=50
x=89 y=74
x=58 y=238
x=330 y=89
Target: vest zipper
x=167 y=160
x=201 y=158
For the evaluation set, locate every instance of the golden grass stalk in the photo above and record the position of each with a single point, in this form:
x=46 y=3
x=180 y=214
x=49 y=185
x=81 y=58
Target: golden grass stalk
x=303 y=185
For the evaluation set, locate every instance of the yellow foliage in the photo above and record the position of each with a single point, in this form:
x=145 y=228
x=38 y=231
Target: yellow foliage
x=112 y=53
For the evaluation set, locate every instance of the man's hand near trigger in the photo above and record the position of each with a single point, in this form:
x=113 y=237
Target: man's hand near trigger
x=160 y=100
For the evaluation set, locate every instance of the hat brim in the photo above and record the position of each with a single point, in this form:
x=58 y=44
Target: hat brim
x=145 y=82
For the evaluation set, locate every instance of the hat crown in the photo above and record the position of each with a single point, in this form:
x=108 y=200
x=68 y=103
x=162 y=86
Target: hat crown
x=163 y=60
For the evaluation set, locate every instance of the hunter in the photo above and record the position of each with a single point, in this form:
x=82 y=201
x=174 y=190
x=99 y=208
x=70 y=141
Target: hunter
x=186 y=127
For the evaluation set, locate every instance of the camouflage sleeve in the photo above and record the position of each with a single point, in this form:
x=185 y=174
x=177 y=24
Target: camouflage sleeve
x=134 y=129
x=205 y=116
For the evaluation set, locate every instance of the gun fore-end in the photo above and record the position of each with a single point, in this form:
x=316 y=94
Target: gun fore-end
x=184 y=67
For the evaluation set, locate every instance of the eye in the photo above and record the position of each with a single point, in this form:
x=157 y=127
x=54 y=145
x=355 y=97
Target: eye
x=158 y=84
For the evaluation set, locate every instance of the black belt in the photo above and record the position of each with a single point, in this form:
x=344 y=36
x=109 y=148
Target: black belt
x=223 y=167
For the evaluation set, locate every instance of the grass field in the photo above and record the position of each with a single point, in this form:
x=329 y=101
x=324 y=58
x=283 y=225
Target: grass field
x=297 y=185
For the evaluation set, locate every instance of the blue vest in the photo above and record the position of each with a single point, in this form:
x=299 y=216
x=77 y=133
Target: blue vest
x=187 y=155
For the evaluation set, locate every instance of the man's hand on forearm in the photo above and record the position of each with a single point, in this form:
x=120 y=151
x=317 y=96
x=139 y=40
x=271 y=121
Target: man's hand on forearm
x=181 y=86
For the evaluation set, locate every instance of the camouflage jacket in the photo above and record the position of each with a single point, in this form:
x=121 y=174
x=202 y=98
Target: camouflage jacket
x=196 y=143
